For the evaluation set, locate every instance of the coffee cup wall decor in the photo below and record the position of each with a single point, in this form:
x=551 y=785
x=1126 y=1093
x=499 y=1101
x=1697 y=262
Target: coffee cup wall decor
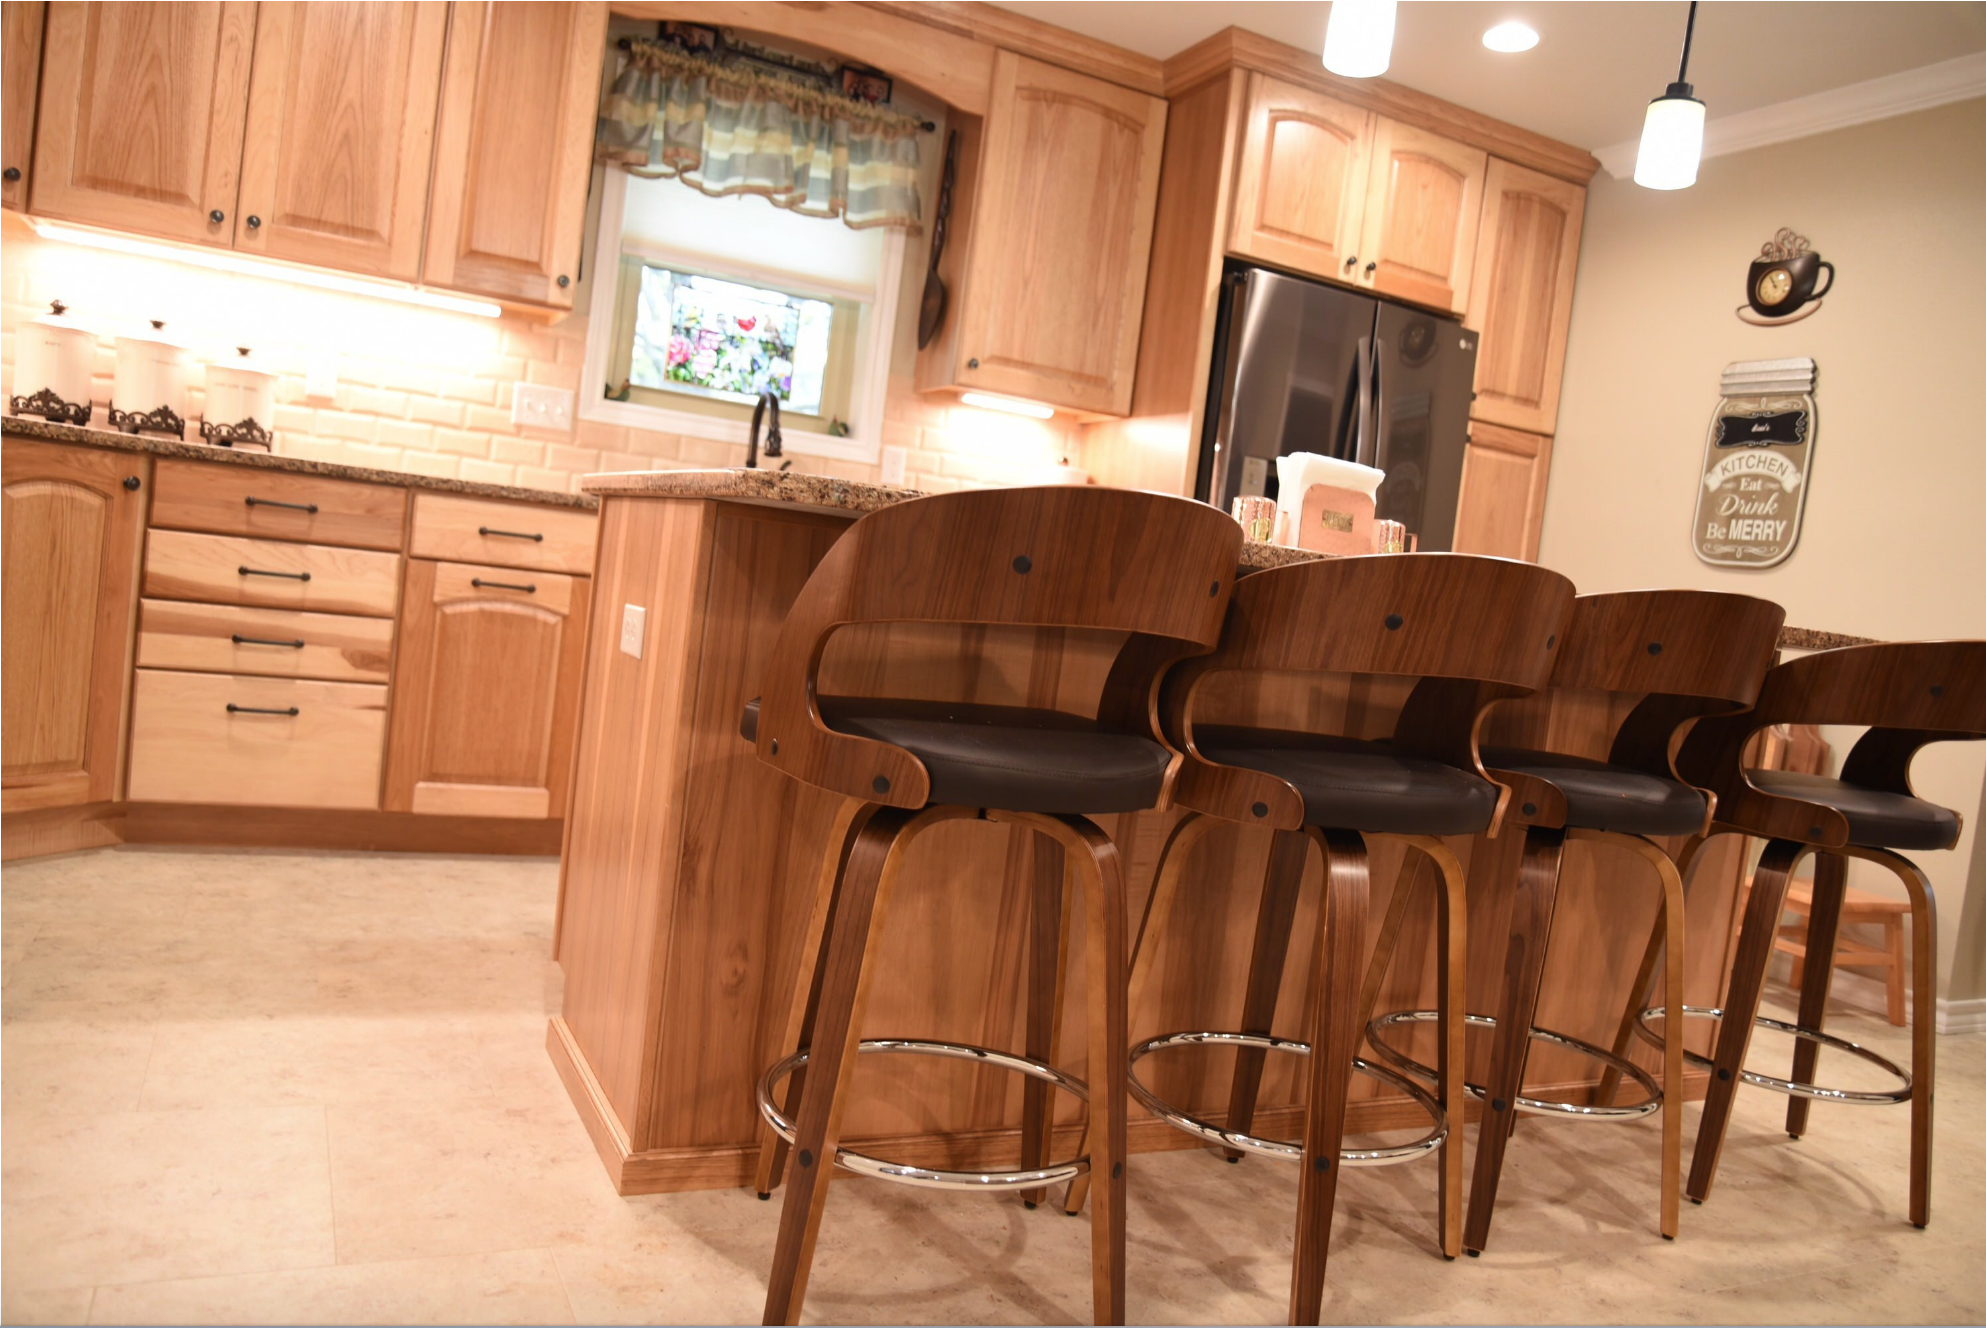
x=1783 y=284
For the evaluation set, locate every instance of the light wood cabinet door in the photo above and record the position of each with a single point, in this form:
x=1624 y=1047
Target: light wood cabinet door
x=340 y=136
x=519 y=99
x=1424 y=200
x=20 y=76
x=1521 y=298
x=485 y=690
x=1502 y=508
x=71 y=531
x=1300 y=196
x=142 y=108
x=1061 y=234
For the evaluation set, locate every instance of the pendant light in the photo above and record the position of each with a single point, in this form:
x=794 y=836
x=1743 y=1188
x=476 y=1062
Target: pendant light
x=1358 y=40
x=1672 y=135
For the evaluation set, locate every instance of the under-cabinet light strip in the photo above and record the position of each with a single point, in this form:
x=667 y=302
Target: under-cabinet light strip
x=1012 y=405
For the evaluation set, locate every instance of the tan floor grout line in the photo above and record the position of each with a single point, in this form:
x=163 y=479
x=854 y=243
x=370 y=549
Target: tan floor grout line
x=570 y=1306
x=330 y=1182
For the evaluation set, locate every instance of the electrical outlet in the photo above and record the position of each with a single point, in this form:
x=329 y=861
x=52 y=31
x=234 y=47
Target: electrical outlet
x=320 y=378
x=537 y=407
x=894 y=460
x=634 y=623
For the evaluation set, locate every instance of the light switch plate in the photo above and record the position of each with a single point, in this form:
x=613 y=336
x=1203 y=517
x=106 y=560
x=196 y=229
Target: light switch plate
x=894 y=461
x=634 y=625
x=537 y=407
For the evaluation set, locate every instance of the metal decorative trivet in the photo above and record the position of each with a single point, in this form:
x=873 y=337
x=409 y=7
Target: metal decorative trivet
x=163 y=420
x=51 y=407
x=227 y=435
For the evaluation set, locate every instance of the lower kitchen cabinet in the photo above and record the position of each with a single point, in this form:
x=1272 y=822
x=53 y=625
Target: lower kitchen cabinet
x=72 y=520
x=255 y=742
x=1502 y=506
x=485 y=690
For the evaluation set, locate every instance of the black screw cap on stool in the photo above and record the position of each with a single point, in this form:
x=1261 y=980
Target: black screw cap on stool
x=1214 y=591
x=1530 y=809
x=1260 y=809
x=1654 y=647
x=1023 y=564
x=1394 y=622
x=806 y=1158
x=1499 y=1105
x=880 y=783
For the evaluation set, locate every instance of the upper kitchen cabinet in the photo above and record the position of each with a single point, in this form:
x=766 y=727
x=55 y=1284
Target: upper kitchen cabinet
x=72 y=520
x=340 y=135
x=1047 y=301
x=142 y=111
x=20 y=75
x=514 y=149
x=1424 y=199
x=1300 y=197
x=1521 y=299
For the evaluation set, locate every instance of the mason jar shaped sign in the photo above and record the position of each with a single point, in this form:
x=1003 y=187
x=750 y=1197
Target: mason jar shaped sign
x=1756 y=463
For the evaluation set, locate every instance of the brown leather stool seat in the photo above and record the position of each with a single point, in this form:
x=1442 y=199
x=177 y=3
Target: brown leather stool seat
x=1350 y=784
x=1876 y=819
x=1007 y=757
x=1599 y=796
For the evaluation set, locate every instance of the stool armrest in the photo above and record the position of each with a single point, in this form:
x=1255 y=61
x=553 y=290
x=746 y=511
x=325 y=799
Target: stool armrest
x=1712 y=759
x=794 y=738
x=1880 y=758
x=1442 y=721
x=1230 y=792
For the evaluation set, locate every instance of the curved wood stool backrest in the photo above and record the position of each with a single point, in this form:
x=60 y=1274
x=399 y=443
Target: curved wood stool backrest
x=1159 y=568
x=1472 y=629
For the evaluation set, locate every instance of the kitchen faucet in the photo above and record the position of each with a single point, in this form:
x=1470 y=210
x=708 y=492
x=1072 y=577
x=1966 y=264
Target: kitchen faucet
x=767 y=397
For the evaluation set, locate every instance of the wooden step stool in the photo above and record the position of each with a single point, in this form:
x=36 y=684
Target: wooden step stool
x=1858 y=907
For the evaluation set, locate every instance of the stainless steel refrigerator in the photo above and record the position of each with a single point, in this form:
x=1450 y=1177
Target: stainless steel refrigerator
x=1300 y=366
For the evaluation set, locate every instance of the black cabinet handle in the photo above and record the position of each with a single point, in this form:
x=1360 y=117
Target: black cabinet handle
x=564 y=281
x=271 y=502
x=1351 y=262
x=254 y=222
x=510 y=534
x=1372 y=267
x=12 y=173
x=241 y=640
x=131 y=483
x=234 y=709
x=256 y=571
x=217 y=216
x=479 y=583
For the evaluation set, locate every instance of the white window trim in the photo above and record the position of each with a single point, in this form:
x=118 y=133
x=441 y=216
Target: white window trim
x=871 y=385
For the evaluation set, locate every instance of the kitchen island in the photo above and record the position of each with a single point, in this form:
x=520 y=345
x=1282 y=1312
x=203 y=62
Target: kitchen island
x=689 y=867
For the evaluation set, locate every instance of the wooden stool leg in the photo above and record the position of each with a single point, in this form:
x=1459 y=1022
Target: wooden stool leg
x=1158 y=907
x=1823 y=937
x=1644 y=978
x=868 y=873
x=1517 y=1009
x=1898 y=965
x=1273 y=920
x=1761 y=925
x=849 y=820
x=1451 y=986
x=1334 y=1044
x=1923 y=1024
x=1048 y=951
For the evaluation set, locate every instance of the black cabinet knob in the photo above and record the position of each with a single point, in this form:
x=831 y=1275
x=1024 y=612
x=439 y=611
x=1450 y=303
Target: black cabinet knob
x=1351 y=262
x=217 y=216
x=564 y=281
x=12 y=173
x=131 y=483
x=254 y=223
x=1371 y=267
x=972 y=364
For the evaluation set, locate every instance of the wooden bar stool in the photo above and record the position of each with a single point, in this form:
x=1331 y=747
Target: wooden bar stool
x=1662 y=658
x=1470 y=630
x=1158 y=569
x=1909 y=694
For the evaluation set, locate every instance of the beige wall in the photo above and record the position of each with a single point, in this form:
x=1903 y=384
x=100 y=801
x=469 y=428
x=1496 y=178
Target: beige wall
x=1894 y=544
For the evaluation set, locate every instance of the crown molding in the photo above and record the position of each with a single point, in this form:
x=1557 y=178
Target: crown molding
x=1857 y=103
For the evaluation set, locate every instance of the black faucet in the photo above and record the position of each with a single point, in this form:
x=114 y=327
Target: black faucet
x=767 y=397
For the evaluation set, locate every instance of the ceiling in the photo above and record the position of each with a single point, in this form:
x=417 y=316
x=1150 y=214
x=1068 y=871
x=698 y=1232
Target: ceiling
x=1597 y=64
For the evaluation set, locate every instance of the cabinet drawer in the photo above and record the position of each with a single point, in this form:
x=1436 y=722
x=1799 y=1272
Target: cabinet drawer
x=204 y=737
x=272 y=504
x=472 y=530
x=228 y=570
x=281 y=643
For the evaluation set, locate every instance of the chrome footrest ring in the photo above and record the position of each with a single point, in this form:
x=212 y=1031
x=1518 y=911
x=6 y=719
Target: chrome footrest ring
x=1532 y=1106
x=1214 y=1134
x=1858 y=1096
x=935 y=1178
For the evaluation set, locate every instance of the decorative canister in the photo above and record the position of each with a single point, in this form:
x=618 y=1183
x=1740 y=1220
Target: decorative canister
x=241 y=403
x=150 y=392
x=52 y=363
x=1327 y=503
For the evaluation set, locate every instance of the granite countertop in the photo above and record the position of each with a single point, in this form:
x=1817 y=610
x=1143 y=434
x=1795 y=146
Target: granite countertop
x=829 y=494
x=18 y=426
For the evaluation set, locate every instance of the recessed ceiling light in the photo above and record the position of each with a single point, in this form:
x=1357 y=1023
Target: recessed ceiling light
x=1511 y=37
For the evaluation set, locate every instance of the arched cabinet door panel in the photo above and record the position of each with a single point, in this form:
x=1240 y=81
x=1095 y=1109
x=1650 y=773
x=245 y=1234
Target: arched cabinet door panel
x=485 y=690
x=1521 y=297
x=1502 y=508
x=1300 y=196
x=1424 y=201
x=72 y=530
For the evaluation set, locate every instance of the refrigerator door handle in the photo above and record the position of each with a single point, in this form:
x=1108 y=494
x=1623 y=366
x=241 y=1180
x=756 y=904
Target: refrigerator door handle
x=1367 y=362
x=1378 y=403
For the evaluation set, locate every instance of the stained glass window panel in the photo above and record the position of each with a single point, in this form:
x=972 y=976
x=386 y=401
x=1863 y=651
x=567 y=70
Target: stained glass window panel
x=725 y=339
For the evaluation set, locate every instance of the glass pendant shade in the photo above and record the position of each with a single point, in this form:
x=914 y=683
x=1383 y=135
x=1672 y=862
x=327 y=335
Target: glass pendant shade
x=1358 y=40
x=1671 y=141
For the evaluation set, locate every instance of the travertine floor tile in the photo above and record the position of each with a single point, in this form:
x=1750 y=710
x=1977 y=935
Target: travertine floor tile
x=62 y=1305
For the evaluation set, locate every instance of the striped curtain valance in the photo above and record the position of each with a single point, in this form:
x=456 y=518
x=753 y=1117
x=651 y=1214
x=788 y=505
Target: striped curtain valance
x=723 y=130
